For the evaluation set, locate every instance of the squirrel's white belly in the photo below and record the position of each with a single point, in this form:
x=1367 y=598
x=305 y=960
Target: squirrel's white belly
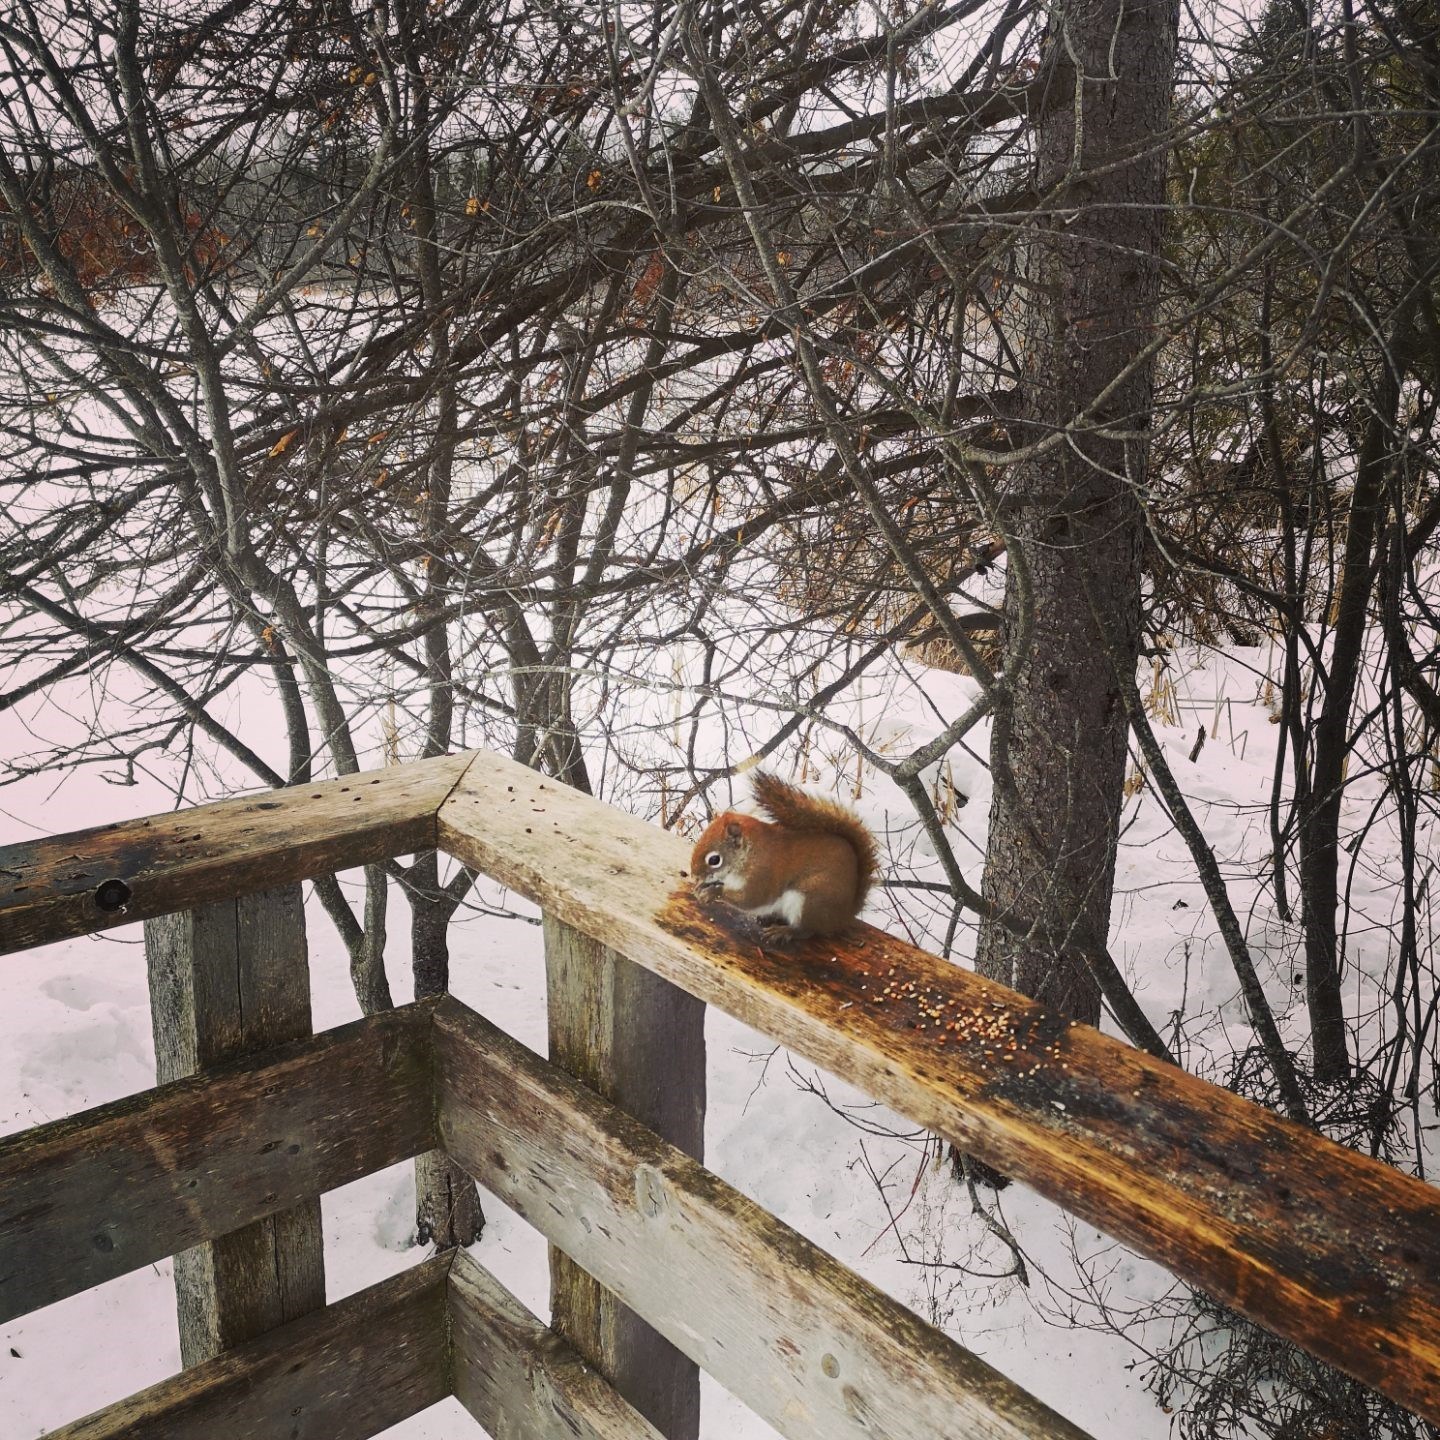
x=788 y=906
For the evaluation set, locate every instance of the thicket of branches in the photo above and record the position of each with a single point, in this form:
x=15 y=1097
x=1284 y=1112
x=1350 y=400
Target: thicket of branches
x=621 y=384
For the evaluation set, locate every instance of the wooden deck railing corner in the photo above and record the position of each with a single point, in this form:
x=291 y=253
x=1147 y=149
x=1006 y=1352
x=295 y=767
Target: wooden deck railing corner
x=658 y=1268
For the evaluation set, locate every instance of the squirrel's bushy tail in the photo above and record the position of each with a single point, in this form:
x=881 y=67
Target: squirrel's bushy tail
x=793 y=808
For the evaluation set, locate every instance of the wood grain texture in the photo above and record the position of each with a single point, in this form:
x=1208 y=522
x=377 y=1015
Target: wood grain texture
x=56 y=887
x=639 y=1042
x=343 y=1373
x=104 y=1192
x=807 y=1344
x=1326 y=1247
x=227 y=980
x=520 y=1380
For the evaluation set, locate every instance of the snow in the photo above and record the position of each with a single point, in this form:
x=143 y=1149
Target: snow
x=75 y=1032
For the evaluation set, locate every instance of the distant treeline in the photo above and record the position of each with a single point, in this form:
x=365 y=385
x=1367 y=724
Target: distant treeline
x=248 y=221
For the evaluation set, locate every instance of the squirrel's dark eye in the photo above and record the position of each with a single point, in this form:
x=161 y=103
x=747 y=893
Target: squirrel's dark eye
x=713 y=859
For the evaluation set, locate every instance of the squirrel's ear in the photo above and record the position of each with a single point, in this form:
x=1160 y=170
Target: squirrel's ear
x=733 y=830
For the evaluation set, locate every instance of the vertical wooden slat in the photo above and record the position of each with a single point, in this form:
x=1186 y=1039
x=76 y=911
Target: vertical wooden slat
x=640 y=1042
x=226 y=980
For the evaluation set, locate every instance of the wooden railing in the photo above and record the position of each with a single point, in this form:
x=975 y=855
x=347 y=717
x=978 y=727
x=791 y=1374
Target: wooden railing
x=658 y=1266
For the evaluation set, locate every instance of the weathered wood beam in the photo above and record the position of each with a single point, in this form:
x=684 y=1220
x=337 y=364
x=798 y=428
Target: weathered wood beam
x=90 y=1197
x=639 y=1042
x=1328 y=1248
x=228 y=980
x=94 y=879
x=520 y=1380
x=807 y=1344
x=342 y=1373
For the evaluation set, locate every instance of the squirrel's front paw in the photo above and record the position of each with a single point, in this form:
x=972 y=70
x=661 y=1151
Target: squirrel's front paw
x=778 y=935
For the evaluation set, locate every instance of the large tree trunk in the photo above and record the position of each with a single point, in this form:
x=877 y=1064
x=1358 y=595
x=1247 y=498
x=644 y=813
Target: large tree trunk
x=1058 y=753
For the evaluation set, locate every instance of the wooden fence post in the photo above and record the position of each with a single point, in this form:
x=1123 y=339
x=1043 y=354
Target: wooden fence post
x=640 y=1042
x=226 y=980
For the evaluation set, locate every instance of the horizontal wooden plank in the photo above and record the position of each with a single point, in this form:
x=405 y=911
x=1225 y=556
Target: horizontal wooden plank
x=345 y=1372
x=96 y=1195
x=519 y=1379
x=1331 y=1249
x=807 y=1344
x=94 y=879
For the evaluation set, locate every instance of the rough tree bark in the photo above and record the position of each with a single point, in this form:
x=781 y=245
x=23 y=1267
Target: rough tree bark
x=1059 y=742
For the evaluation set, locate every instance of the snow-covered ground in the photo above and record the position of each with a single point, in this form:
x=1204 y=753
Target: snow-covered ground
x=75 y=1032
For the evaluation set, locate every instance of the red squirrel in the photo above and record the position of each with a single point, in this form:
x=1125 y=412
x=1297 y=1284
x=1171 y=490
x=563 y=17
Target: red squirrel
x=809 y=871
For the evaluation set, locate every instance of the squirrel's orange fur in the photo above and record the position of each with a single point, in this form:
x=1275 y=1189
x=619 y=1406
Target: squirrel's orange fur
x=809 y=867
